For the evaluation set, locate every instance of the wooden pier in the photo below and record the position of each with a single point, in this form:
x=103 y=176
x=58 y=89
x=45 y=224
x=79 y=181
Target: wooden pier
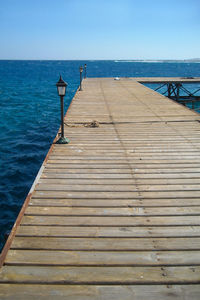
x=115 y=214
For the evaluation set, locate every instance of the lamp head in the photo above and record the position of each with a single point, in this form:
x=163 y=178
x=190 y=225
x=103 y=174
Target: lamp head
x=61 y=87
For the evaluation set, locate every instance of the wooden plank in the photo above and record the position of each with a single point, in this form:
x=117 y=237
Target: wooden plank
x=92 y=166
x=119 y=159
x=127 y=170
x=105 y=176
x=122 y=159
x=119 y=181
x=56 y=202
x=117 y=188
x=99 y=292
x=115 y=152
x=92 y=175
x=111 y=244
x=113 y=155
x=136 y=139
x=103 y=258
x=121 y=211
x=94 y=141
x=111 y=221
x=117 y=195
x=94 y=231
x=103 y=275
x=93 y=171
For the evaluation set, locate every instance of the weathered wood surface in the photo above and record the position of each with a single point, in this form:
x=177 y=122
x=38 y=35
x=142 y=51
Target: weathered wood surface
x=99 y=292
x=115 y=214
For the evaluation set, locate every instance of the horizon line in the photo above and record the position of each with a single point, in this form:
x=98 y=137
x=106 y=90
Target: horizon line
x=101 y=59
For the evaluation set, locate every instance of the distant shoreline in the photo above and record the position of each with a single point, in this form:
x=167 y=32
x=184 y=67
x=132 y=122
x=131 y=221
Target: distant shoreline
x=161 y=61
x=192 y=60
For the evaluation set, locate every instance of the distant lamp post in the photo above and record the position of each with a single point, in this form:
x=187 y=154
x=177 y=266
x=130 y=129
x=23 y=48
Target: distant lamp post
x=61 y=87
x=85 y=67
x=81 y=72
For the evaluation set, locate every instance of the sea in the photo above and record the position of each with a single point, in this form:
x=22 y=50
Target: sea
x=30 y=116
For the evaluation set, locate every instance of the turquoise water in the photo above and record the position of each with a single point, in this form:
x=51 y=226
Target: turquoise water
x=30 y=116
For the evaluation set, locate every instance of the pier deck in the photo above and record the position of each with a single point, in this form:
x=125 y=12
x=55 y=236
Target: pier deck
x=115 y=214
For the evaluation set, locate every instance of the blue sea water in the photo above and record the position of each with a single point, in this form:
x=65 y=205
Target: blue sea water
x=30 y=116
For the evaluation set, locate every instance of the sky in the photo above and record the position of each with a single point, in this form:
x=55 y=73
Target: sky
x=99 y=29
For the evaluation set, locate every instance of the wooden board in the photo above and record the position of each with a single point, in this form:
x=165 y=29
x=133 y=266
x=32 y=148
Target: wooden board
x=99 y=292
x=103 y=275
x=103 y=258
x=102 y=244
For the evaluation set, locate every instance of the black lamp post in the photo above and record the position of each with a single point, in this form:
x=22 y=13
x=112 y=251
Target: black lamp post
x=61 y=87
x=81 y=72
x=85 y=67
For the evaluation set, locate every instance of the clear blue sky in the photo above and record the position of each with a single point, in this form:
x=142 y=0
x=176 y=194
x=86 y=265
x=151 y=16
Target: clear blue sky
x=99 y=29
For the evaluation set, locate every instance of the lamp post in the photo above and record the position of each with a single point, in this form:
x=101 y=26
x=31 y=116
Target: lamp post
x=81 y=71
x=61 y=87
x=85 y=67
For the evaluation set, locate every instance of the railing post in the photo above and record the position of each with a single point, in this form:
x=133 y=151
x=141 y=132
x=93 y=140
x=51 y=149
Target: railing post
x=169 y=90
x=178 y=91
